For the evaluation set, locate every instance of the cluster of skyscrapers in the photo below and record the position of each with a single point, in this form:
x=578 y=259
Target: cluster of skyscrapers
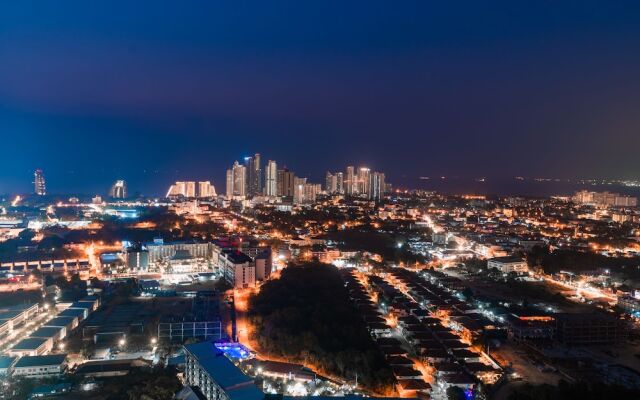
x=604 y=199
x=357 y=183
x=247 y=179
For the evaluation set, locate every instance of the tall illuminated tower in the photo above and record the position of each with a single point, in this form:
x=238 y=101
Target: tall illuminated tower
x=118 y=190
x=364 y=175
x=254 y=175
x=350 y=181
x=271 y=179
x=39 y=184
x=237 y=180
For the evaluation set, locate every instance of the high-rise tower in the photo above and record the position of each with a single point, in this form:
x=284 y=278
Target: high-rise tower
x=118 y=190
x=254 y=175
x=237 y=180
x=376 y=186
x=285 y=182
x=350 y=181
x=271 y=179
x=364 y=175
x=40 y=187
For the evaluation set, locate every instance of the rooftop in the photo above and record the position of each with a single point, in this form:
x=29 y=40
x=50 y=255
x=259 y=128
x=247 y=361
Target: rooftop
x=46 y=332
x=72 y=312
x=36 y=361
x=5 y=362
x=82 y=304
x=237 y=257
x=507 y=259
x=29 y=343
x=60 y=321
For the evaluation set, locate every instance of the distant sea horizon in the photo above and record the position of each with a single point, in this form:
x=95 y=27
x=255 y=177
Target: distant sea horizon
x=155 y=187
x=528 y=187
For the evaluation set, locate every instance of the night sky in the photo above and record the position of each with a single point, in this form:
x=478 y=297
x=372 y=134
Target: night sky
x=153 y=91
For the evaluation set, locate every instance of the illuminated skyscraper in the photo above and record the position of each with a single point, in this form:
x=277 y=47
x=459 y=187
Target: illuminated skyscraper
x=350 y=181
x=229 y=191
x=178 y=189
x=271 y=179
x=254 y=175
x=376 y=186
x=259 y=182
x=334 y=183
x=286 y=180
x=206 y=190
x=303 y=192
x=39 y=183
x=118 y=190
x=190 y=189
x=364 y=174
x=339 y=182
x=298 y=189
x=237 y=180
x=331 y=184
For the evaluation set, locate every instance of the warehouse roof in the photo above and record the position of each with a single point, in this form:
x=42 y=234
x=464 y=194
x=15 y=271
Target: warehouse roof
x=36 y=361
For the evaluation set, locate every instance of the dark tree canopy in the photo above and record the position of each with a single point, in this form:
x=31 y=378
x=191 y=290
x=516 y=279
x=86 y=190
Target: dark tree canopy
x=307 y=316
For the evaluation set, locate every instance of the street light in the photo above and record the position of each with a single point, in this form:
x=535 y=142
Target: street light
x=154 y=341
x=122 y=342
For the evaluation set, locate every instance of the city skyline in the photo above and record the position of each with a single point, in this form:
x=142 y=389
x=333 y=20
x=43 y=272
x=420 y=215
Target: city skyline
x=485 y=185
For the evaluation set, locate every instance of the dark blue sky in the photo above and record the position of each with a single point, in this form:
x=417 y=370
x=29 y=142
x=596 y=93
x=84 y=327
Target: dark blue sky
x=153 y=91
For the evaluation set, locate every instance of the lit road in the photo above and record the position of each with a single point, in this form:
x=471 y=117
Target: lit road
x=589 y=293
x=243 y=328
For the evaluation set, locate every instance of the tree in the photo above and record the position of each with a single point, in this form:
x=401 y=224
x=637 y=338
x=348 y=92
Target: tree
x=467 y=293
x=87 y=349
x=26 y=235
x=455 y=393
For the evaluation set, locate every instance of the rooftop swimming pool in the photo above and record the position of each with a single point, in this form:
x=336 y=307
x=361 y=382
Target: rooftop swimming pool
x=234 y=351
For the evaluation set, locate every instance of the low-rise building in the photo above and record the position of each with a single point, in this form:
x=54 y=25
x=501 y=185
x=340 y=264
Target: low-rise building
x=530 y=327
x=93 y=301
x=40 y=366
x=509 y=264
x=69 y=323
x=53 y=332
x=14 y=316
x=88 y=307
x=31 y=347
x=109 y=368
x=80 y=313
